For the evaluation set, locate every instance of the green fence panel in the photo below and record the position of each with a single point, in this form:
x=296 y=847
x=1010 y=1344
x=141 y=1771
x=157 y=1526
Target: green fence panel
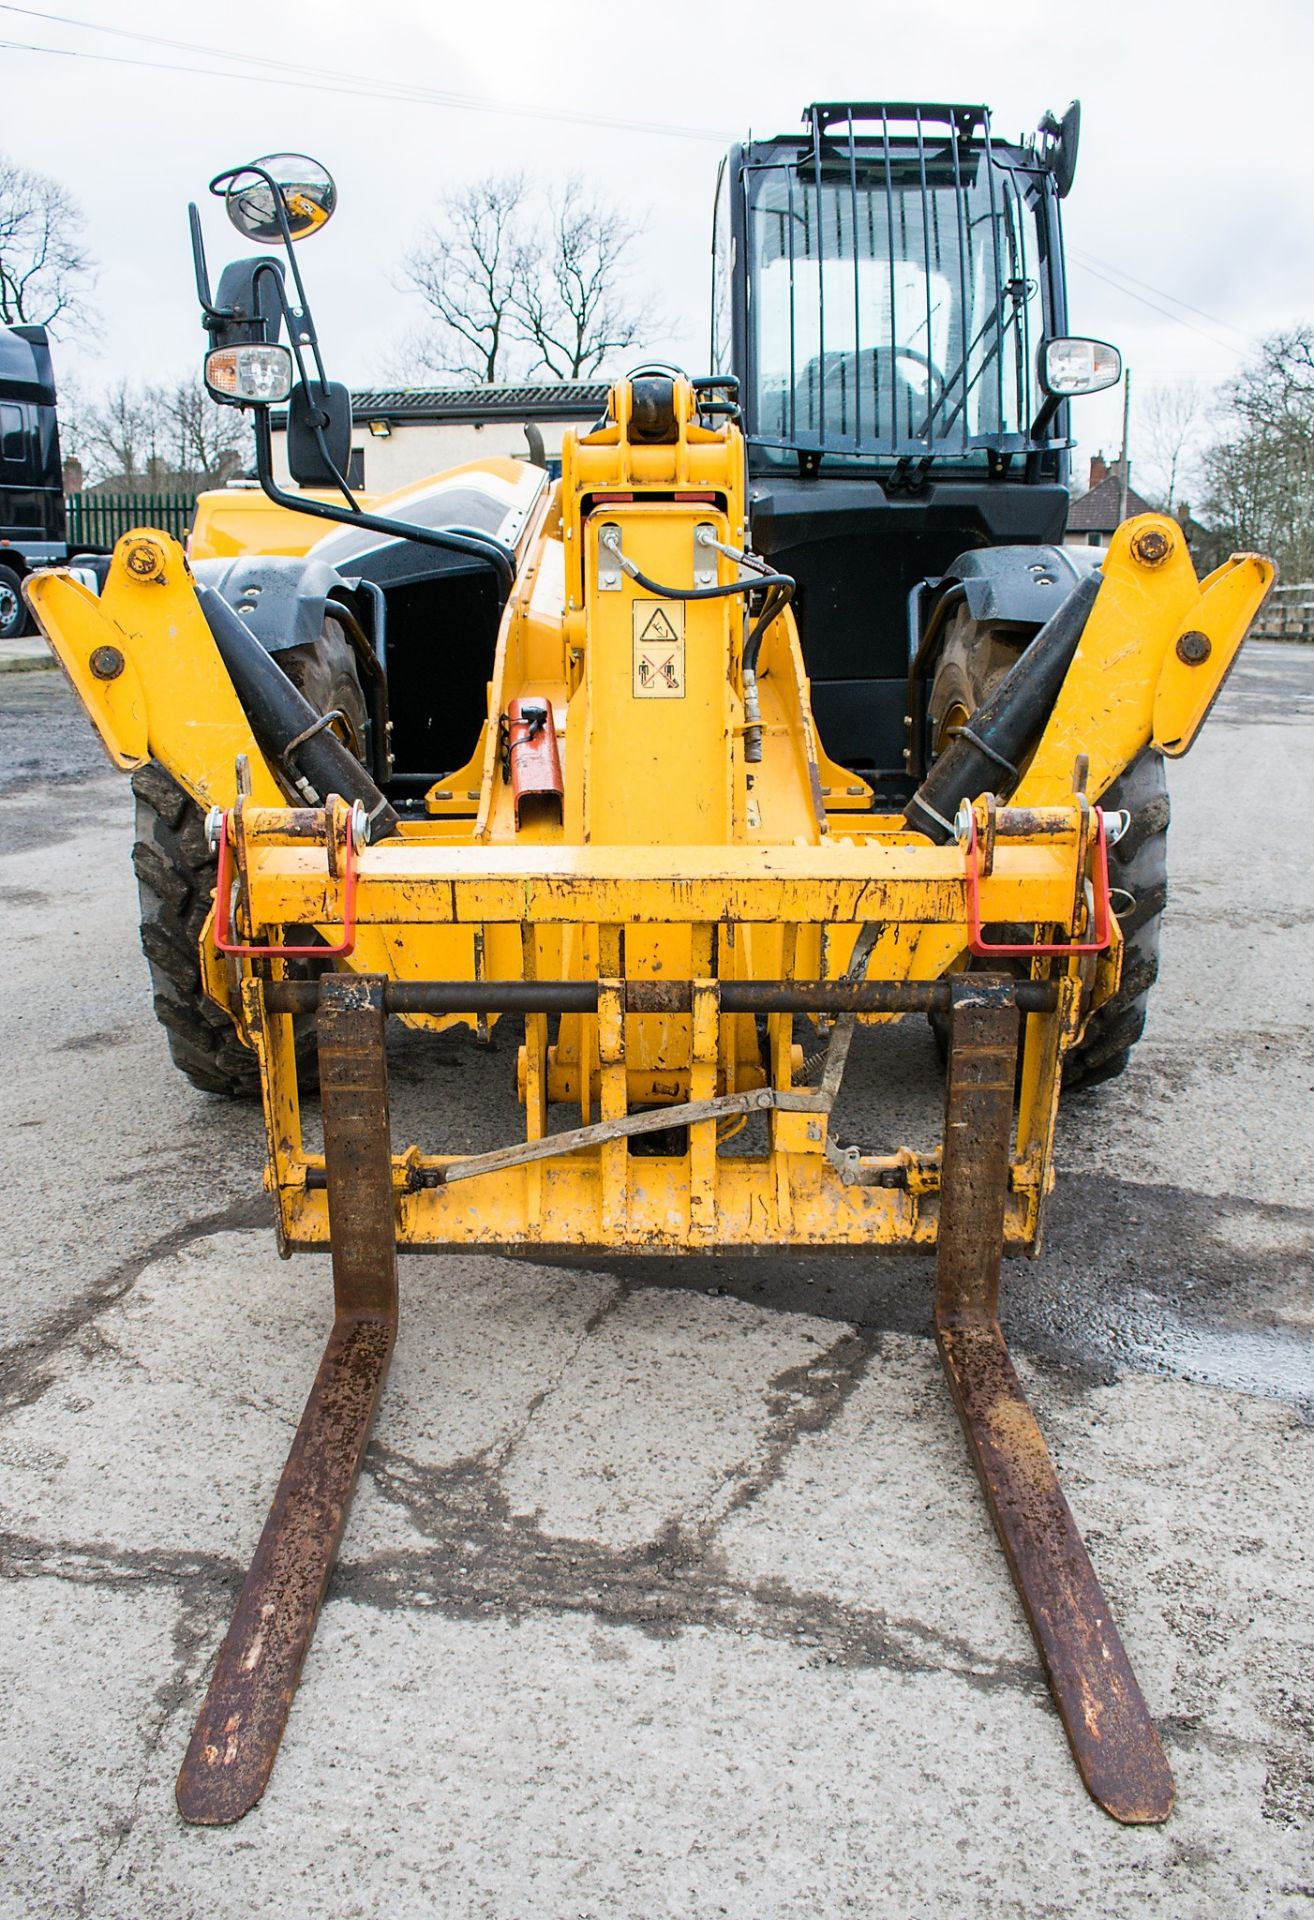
x=99 y=519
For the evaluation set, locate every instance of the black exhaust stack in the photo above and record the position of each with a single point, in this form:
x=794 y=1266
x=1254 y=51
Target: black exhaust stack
x=280 y=714
x=988 y=753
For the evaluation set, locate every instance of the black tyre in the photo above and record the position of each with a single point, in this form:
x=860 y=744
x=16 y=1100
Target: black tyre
x=326 y=674
x=14 y=618
x=974 y=657
x=1138 y=868
x=175 y=883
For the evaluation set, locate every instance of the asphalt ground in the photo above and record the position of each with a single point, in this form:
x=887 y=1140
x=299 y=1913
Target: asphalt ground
x=668 y=1590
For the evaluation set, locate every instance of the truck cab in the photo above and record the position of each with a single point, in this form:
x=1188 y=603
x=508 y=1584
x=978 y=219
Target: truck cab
x=32 y=522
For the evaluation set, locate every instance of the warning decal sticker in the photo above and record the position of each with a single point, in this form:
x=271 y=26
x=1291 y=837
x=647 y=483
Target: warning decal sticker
x=658 y=650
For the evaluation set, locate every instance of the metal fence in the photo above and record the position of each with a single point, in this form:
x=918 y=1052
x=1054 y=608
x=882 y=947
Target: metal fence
x=99 y=519
x=1287 y=614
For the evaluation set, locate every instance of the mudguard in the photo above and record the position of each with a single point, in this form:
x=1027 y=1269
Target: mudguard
x=282 y=598
x=1022 y=585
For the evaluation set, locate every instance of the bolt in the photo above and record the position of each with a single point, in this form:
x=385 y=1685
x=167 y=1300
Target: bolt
x=107 y=663
x=145 y=560
x=1194 y=648
x=1152 y=547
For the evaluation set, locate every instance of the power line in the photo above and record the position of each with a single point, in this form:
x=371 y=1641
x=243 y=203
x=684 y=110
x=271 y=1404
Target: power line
x=1176 y=318
x=343 y=84
x=1079 y=254
x=400 y=88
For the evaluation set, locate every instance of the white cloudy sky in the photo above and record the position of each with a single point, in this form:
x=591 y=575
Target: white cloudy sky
x=1195 y=190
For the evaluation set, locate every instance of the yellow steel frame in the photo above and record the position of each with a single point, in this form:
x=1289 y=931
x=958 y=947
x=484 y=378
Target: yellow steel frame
x=677 y=856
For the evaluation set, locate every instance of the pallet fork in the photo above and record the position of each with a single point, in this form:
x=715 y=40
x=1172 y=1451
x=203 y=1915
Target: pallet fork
x=236 y=1737
x=235 y=1742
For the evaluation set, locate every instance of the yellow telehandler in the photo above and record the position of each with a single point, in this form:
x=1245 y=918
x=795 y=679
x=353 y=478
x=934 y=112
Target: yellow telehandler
x=783 y=704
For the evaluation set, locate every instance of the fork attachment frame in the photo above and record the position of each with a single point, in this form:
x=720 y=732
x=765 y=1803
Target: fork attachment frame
x=1114 y=1741
x=240 y=1726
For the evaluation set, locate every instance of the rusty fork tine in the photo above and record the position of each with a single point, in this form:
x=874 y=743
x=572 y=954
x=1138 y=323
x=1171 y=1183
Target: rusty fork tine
x=1113 y=1739
x=237 y=1735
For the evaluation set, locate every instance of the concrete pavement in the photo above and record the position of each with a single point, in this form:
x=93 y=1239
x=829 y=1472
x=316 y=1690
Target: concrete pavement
x=668 y=1589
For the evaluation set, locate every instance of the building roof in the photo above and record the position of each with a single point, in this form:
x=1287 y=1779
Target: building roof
x=541 y=400
x=1097 y=511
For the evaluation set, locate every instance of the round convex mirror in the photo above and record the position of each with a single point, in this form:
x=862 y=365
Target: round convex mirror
x=308 y=193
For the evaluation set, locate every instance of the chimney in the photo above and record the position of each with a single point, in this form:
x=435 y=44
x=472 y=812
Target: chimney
x=72 y=474
x=1099 y=469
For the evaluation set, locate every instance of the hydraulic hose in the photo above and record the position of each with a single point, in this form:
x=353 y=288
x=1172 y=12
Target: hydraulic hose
x=779 y=588
x=987 y=755
x=748 y=584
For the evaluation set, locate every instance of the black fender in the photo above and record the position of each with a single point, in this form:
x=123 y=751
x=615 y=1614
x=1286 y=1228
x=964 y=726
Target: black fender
x=1012 y=586
x=1020 y=585
x=282 y=598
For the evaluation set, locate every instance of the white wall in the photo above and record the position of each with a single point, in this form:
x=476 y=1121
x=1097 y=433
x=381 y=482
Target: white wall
x=410 y=453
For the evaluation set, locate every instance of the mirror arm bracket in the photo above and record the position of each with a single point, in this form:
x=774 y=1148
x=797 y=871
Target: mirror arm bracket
x=1044 y=419
x=500 y=557
x=201 y=268
x=302 y=332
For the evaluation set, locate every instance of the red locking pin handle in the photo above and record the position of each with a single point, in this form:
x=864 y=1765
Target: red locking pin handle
x=978 y=944
x=223 y=939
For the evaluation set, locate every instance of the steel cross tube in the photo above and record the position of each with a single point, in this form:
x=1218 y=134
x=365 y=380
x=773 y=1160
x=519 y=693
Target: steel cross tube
x=658 y=996
x=237 y=1735
x=1113 y=1739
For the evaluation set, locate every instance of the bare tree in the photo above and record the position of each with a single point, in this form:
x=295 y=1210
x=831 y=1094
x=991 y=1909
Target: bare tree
x=1259 y=469
x=45 y=270
x=1172 y=420
x=519 y=283
x=465 y=265
x=210 y=442
x=153 y=436
x=119 y=434
x=569 y=304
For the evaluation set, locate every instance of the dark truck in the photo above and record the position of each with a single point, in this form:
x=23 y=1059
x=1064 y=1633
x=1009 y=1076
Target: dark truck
x=33 y=531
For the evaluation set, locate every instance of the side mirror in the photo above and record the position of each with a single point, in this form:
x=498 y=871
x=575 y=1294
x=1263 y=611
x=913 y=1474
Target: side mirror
x=1062 y=138
x=285 y=196
x=319 y=433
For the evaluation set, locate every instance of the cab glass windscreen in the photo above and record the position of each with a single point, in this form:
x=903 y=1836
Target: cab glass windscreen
x=895 y=306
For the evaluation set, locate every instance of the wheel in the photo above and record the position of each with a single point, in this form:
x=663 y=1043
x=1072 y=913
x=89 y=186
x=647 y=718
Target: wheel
x=1138 y=871
x=975 y=655
x=325 y=672
x=14 y=619
x=175 y=884
x=175 y=881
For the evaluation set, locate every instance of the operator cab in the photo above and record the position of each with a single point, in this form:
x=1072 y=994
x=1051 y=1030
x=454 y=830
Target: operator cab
x=885 y=285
